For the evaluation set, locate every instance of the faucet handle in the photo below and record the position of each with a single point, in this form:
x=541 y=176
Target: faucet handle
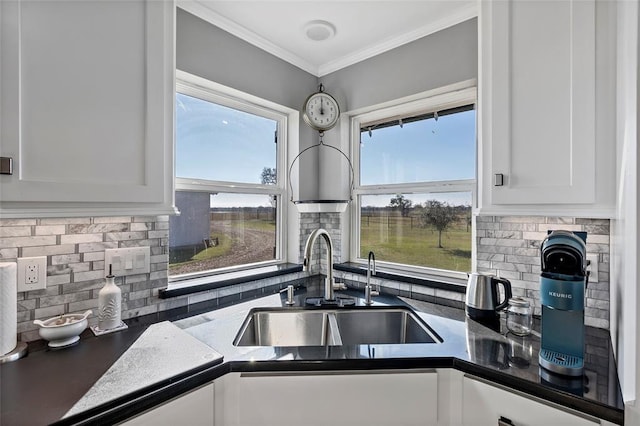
x=290 y=300
x=367 y=295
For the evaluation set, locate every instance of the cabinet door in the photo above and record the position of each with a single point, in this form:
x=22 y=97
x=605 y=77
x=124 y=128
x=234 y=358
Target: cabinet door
x=87 y=104
x=193 y=409
x=537 y=99
x=344 y=398
x=484 y=404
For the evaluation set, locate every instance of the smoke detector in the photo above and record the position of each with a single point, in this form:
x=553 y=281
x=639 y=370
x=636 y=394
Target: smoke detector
x=319 y=30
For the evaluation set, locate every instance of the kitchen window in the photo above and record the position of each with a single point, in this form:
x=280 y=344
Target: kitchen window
x=416 y=184
x=229 y=184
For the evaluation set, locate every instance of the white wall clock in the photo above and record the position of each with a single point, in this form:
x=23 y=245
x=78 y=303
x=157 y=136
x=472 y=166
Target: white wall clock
x=321 y=111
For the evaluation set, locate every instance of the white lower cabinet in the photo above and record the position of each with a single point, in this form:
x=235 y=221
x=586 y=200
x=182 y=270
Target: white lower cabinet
x=484 y=404
x=443 y=397
x=328 y=398
x=194 y=409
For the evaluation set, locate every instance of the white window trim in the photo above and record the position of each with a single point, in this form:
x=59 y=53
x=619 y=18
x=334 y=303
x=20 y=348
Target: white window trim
x=287 y=119
x=458 y=95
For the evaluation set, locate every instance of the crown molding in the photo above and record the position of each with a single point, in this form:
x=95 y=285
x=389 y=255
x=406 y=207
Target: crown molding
x=198 y=9
x=201 y=11
x=463 y=14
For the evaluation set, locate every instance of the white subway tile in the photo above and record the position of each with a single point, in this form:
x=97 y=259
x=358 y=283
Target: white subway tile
x=521 y=219
x=58 y=279
x=159 y=234
x=544 y=227
x=65 y=221
x=93 y=247
x=49 y=311
x=146 y=218
x=63 y=259
x=80 y=267
x=15 y=231
x=84 y=305
x=98 y=228
x=597 y=322
x=10 y=253
x=17 y=222
x=80 y=238
x=119 y=236
x=141 y=226
x=11 y=242
x=118 y=219
x=87 y=276
x=50 y=229
x=49 y=250
x=536 y=236
x=598 y=239
x=93 y=256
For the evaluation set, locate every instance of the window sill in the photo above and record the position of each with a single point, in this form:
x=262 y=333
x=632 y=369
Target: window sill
x=451 y=284
x=196 y=285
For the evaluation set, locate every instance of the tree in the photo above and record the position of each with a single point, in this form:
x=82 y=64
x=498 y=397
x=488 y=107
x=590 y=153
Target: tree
x=401 y=203
x=439 y=215
x=269 y=177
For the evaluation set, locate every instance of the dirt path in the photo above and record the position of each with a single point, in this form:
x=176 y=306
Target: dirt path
x=249 y=246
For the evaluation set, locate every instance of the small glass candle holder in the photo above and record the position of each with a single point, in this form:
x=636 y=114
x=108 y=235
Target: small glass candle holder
x=519 y=316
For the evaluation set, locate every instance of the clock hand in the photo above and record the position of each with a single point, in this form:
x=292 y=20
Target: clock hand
x=321 y=110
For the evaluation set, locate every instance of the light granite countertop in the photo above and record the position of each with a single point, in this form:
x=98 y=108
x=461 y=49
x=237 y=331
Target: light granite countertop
x=161 y=352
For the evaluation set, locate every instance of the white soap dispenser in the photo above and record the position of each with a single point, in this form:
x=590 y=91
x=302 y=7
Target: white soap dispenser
x=109 y=304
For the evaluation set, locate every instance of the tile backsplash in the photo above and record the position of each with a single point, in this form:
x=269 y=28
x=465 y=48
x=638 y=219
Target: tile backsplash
x=75 y=267
x=75 y=264
x=506 y=246
x=509 y=246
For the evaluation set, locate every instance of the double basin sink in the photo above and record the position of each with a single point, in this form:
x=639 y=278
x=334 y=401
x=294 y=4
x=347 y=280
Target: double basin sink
x=333 y=327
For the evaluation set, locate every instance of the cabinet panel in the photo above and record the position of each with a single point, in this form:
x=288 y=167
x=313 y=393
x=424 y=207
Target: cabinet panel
x=193 y=409
x=538 y=101
x=339 y=399
x=484 y=404
x=87 y=101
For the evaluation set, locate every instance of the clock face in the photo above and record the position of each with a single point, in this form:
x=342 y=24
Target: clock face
x=321 y=111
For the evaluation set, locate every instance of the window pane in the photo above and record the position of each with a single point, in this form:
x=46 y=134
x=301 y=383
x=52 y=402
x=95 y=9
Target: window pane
x=215 y=142
x=431 y=230
x=221 y=230
x=424 y=150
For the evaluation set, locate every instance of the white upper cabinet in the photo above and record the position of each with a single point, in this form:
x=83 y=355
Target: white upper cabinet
x=87 y=105
x=539 y=125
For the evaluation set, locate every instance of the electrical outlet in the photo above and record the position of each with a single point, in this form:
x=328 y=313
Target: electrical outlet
x=32 y=273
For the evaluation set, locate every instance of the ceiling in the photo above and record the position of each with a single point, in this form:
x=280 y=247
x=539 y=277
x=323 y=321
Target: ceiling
x=362 y=28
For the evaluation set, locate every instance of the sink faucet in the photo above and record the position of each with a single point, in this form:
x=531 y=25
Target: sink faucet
x=328 y=282
x=368 y=290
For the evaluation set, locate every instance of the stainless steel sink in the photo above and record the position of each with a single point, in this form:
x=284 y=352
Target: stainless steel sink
x=388 y=326
x=288 y=327
x=333 y=327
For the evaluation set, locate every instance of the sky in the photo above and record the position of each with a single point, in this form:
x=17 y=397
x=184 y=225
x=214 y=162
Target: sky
x=219 y=143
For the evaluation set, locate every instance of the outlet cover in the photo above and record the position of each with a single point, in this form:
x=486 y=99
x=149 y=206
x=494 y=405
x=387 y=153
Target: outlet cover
x=127 y=261
x=32 y=273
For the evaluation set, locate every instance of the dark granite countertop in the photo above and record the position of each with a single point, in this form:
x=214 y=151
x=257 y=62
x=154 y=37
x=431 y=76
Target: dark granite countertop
x=60 y=380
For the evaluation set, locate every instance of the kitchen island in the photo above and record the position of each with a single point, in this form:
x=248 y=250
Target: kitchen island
x=66 y=384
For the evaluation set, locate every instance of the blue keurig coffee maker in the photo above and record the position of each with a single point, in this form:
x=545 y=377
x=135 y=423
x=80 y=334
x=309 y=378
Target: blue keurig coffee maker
x=562 y=287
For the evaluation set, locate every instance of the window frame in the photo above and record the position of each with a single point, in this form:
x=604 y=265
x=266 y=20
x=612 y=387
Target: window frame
x=427 y=103
x=206 y=90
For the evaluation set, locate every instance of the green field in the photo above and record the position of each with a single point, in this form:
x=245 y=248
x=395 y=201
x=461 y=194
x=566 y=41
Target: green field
x=402 y=240
x=183 y=255
x=391 y=237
